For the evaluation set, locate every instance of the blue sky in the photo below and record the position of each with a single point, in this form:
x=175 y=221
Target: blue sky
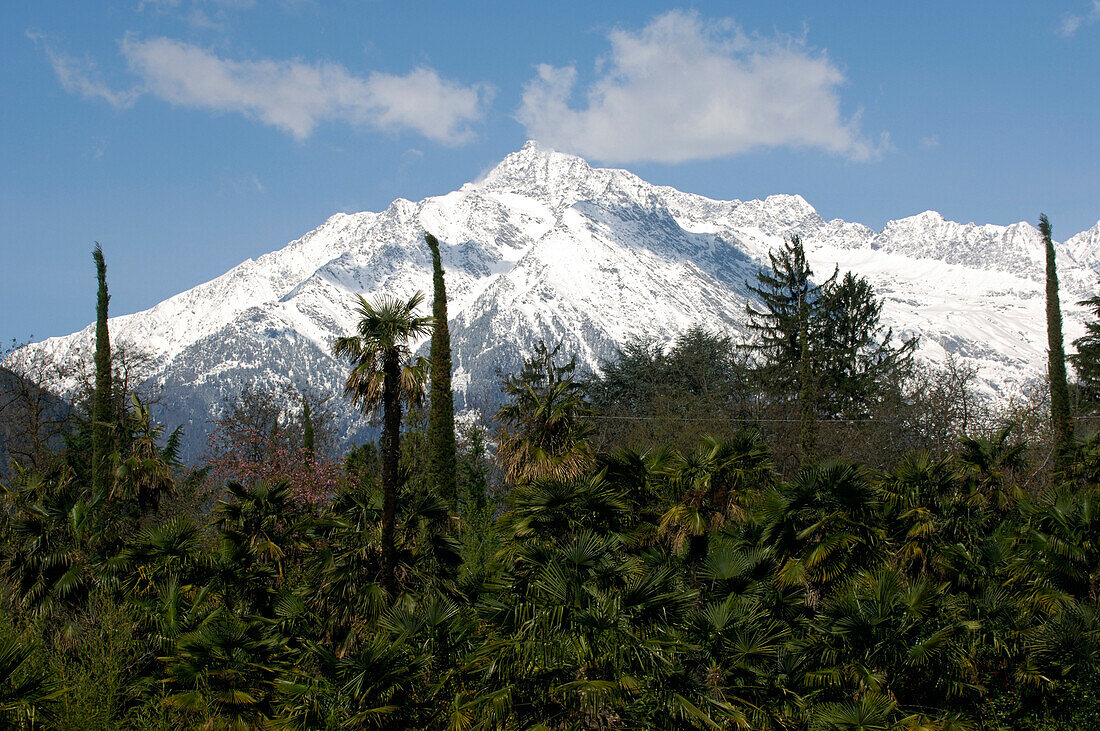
x=189 y=135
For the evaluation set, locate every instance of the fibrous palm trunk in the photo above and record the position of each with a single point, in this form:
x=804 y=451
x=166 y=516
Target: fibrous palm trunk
x=391 y=432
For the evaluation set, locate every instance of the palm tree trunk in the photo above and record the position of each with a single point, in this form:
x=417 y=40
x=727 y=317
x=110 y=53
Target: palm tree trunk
x=807 y=432
x=391 y=452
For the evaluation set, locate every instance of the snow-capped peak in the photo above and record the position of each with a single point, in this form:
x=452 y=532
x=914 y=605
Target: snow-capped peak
x=547 y=247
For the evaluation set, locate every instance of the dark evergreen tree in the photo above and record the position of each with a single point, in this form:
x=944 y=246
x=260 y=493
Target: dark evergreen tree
x=441 y=417
x=777 y=322
x=1056 y=354
x=861 y=364
x=1086 y=361
x=633 y=382
x=101 y=400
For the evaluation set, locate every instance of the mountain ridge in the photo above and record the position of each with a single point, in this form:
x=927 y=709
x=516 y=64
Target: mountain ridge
x=545 y=246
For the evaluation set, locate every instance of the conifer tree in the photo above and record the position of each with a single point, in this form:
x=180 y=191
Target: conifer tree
x=101 y=399
x=1056 y=354
x=861 y=363
x=1086 y=361
x=778 y=323
x=441 y=417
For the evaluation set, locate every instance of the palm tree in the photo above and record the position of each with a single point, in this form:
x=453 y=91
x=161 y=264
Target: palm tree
x=821 y=525
x=919 y=498
x=545 y=430
x=710 y=488
x=26 y=690
x=224 y=672
x=383 y=375
x=908 y=640
x=991 y=463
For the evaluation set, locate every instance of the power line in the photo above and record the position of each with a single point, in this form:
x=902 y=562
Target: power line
x=746 y=419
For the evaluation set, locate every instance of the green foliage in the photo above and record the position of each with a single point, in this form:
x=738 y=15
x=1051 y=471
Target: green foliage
x=652 y=394
x=787 y=314
x=26 y=690
x=383 y=377
x=861 y=365
x=1056 y=353
x=101 y=401
x=676 y=584
x=544 y=428
x=441 y=418
x=1086 y=361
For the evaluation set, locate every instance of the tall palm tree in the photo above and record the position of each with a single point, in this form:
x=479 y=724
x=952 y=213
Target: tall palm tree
x=383 y=375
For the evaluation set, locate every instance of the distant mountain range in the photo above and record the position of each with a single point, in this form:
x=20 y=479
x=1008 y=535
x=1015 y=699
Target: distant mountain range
x=548 y=247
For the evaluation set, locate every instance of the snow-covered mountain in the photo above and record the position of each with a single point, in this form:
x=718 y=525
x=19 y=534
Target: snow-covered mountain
x=548 y=247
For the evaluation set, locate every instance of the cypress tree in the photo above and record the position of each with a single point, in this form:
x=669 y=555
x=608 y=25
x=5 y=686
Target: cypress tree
x=101 y=398
x=441 y=418
x=1056 y=354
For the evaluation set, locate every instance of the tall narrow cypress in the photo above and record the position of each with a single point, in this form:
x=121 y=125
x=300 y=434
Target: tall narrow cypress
x=441 y=418
x=1056 y=354
x=101 y=398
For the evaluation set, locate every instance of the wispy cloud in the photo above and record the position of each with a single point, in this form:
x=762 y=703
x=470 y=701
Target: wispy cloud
x=199 y=14
x=81 y=75
x=930 y=142
x=236 y=184
x=1072 y=22
x=684 y=89
x=294 y=96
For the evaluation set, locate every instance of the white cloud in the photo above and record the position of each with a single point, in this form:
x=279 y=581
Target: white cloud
x=295 y=96
x=1072 y=22
x=291 y=95
x=683 y=90
x=211 y=15
x=241 y=184
x=1069 y=25
x=80 y=75
x=930 y=142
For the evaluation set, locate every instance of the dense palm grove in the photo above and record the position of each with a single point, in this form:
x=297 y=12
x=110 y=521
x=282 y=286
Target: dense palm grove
x=809 y=530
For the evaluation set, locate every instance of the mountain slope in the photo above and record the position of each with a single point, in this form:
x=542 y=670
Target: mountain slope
x=548 y=247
